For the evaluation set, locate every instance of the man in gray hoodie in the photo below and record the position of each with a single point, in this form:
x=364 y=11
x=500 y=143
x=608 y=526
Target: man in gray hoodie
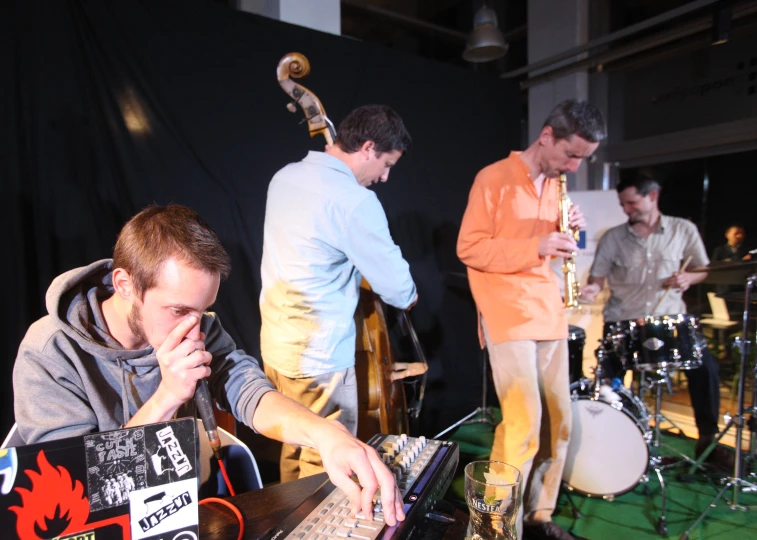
x=126 y=340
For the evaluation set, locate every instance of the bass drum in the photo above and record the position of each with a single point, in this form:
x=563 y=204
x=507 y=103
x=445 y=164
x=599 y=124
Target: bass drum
x=608 y=454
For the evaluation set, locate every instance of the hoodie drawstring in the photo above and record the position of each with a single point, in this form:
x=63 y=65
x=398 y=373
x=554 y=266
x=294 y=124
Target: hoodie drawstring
x=124 y=395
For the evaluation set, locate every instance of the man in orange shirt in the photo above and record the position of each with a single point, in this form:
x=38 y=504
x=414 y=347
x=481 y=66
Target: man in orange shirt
x=508 y=235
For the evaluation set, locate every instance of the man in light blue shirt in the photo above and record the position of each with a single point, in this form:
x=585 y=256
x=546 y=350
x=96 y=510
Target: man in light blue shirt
x=324 y=231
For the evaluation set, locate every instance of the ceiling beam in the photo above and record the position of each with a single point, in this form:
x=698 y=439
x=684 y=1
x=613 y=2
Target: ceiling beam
x=421 y=25
x=434 y=7
x=609 y=38
x=405 y=20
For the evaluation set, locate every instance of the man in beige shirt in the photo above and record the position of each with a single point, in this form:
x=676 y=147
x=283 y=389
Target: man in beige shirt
x=641 y=260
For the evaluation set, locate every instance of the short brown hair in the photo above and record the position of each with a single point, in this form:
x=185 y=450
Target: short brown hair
x=159 y=233
x=642 y=179
x=378 y=123
x=576 y=117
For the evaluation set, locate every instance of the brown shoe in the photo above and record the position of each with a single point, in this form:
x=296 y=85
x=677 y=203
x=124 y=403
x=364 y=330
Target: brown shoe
x=545 y=530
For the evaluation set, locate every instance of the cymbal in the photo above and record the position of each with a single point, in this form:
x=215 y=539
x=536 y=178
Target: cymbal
x=729 y=266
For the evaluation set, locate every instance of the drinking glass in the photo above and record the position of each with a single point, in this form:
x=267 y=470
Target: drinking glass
x=492 y=492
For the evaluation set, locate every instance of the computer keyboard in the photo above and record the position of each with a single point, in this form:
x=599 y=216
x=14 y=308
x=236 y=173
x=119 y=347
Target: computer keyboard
x=423 y=469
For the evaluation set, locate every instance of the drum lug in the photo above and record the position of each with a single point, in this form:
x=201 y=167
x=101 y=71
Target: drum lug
x=739 y=344
x=608 y=498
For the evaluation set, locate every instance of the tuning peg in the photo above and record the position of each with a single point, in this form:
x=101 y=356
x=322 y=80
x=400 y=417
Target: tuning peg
x=291 y=107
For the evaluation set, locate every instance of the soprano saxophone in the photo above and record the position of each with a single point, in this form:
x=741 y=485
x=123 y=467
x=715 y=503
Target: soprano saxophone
x=569 y=264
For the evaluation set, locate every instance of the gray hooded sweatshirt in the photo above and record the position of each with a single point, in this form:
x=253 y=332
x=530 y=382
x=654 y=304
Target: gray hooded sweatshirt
x=72 y=377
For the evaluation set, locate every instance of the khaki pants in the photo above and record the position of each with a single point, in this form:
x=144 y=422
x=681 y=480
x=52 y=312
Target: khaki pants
x=332 y=396
x=532 y=383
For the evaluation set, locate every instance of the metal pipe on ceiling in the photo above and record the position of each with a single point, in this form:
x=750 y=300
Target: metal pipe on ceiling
x=693 y=27
x=424 y=26
x=609 y=38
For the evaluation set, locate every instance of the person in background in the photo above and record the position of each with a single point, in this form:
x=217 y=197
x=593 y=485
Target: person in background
x=734 y=249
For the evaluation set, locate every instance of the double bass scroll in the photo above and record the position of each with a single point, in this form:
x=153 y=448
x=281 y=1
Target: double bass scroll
x=297 y=66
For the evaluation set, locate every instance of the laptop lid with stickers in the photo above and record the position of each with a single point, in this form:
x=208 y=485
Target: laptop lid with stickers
x=138 y=483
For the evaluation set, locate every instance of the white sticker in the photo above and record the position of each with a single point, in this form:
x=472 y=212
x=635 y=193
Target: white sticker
x=161 y=509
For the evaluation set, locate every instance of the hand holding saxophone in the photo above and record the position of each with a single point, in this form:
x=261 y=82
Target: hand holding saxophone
x=576 y=218
x=557 y=244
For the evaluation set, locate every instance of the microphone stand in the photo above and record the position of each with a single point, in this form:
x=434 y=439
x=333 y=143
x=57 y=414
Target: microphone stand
x=737 y=482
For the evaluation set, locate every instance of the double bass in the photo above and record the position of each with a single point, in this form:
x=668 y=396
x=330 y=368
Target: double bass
x=382 y=401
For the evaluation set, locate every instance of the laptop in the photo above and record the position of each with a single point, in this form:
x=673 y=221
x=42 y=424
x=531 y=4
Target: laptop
x=137 y=483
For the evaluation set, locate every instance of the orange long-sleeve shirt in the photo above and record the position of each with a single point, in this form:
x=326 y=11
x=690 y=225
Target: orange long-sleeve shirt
x=515 y=290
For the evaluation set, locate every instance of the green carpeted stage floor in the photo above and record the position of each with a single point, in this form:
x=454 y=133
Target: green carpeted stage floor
x=635 y=514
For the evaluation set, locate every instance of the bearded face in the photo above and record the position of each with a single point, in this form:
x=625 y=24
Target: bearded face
x=135 y=321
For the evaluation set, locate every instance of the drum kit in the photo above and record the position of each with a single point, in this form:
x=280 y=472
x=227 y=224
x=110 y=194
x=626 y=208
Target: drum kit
x=612 y=425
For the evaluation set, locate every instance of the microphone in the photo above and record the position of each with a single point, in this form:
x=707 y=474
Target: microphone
x=205 y=406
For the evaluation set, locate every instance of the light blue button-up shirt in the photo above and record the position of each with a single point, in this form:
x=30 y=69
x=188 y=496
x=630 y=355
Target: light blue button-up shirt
x=323 y=231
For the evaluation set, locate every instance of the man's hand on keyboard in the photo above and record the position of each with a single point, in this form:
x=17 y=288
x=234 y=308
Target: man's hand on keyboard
x=343 y=455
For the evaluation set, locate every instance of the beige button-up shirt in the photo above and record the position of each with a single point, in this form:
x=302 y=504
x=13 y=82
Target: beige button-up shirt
x=635 y=267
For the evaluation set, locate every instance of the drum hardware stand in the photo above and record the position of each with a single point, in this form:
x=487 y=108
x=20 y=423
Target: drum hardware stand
x=655 y=460
x=584 y=384
x=739 y=420
x=568 y=493
x=659 y=418
x=662 y=524
x=487 y=417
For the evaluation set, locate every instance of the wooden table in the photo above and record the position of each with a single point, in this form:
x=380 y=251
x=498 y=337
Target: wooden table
x=265 y=508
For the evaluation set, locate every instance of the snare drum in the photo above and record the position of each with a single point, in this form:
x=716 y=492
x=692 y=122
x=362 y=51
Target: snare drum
x=658 y=343
x=608 y=454
x=576 y=341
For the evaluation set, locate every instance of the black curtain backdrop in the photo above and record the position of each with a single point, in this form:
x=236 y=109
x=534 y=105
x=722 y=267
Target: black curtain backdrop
x=109 y=106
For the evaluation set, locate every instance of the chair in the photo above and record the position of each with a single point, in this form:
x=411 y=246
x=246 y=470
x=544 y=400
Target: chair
x=720 y=320
x=13 y=439
x=240 y=466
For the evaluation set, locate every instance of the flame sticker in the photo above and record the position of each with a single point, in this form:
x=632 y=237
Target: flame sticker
x=55 y=506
